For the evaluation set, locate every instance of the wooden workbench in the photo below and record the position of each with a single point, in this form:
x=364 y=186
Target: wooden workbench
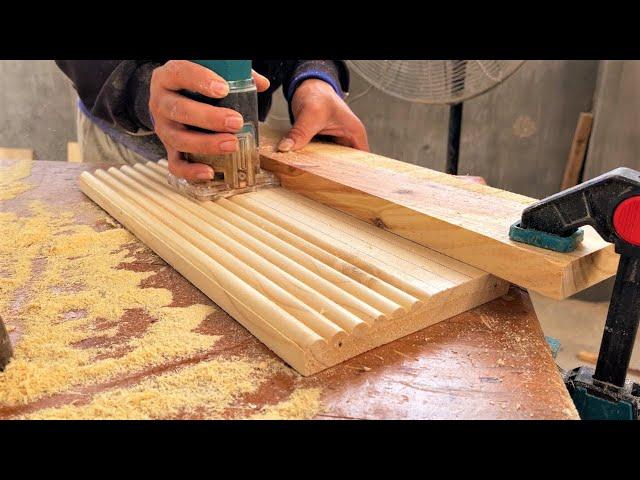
x=491 y=362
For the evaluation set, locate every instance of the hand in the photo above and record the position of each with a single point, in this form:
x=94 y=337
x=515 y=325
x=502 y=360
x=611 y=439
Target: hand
x=172 y=112
x=472 y=179
x=318 y=110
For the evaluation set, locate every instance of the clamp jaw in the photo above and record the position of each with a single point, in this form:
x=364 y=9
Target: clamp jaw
x=609 y=203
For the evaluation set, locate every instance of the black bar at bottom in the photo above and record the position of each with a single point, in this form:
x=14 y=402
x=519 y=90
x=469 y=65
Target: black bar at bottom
x=622 y=324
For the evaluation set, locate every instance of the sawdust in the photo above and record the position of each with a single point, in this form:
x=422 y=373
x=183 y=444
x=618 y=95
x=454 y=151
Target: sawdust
x=207 y=389
x=303 y=403
x=11 y=174
x=66 y=290
x=79 y=277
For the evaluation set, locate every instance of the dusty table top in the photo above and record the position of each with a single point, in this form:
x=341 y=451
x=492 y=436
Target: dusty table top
x=109 y=330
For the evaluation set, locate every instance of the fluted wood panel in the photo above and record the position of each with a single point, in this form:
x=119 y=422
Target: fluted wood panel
x=315 y=285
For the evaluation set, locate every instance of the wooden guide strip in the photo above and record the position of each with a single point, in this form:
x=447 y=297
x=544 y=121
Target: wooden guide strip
x=310 y=306
x=463 y=221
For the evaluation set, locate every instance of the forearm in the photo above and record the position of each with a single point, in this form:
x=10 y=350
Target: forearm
x=116 y=91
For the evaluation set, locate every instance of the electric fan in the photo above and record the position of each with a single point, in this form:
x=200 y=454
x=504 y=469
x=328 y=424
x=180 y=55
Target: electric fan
x=437 y=82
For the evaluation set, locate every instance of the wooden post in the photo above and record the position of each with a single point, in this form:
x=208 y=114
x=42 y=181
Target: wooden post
x=578 y=151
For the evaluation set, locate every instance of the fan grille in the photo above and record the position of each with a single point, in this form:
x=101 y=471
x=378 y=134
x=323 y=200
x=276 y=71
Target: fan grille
x=435 y=81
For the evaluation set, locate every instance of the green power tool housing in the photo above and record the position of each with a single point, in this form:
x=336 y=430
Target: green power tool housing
x=239 y=171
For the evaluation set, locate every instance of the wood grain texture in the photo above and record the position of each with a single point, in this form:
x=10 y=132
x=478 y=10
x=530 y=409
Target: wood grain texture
x=468 y=222
x=303 y=278
x=578 y=151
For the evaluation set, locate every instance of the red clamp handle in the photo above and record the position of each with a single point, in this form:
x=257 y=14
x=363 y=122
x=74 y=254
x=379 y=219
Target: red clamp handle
x=626 y=220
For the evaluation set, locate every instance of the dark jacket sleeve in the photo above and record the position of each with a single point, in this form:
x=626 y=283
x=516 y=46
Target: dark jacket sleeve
x=116 y=91
x=334 y=72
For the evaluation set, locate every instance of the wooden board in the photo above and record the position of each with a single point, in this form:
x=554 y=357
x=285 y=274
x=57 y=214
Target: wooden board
x=16 y=154
x=315 y=285
x=468 y=222
x=74 y=152
x=578 y=151
x=491 y=362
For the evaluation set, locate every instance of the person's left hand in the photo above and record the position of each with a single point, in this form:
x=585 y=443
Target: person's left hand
x=473 y=179
x=318 y=110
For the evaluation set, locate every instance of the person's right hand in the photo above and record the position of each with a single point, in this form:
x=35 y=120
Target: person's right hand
x=171 y=112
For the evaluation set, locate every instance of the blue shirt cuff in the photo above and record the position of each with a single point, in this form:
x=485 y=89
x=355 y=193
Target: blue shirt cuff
x=313 y=74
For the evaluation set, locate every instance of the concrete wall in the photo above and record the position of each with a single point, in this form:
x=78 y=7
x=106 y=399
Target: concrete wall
x=519 y=134
x=36 y=108
x=615 y=139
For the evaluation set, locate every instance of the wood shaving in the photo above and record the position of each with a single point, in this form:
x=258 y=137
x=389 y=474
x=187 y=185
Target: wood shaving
x=207 y=389
x=297 y=407
x=11 y=175
x=46 y=360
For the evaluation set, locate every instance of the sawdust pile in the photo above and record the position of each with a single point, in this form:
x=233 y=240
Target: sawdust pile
x=206 y=388
x=65 y=298
x=11 y=175
x=297 y=407
x=78 y=295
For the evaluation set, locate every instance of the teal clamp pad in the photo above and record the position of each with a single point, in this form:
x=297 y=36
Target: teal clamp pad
x=546 y=240
x=554 y=345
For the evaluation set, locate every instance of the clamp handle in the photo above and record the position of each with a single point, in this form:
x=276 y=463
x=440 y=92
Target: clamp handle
x=590 y=203
x=611 y=204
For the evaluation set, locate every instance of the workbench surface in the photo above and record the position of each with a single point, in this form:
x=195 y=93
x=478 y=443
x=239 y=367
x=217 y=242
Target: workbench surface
x=488 y=363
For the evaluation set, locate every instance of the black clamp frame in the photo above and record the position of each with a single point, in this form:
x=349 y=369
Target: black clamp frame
x=609 y=203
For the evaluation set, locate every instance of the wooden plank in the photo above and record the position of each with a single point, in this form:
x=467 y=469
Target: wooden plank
x=468 y=222
x=74 y=152
x=578 y=151
x=293 y=299
x=16 y=154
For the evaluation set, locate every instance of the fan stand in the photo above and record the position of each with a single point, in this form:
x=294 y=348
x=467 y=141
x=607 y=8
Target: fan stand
x=453 y=140
x=455 y=123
